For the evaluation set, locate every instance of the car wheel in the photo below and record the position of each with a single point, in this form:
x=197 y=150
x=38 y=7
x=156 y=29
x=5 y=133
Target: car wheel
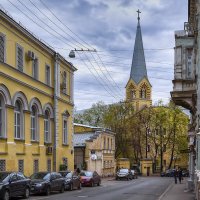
x=92 y=184
x=62 y=189
x=99 y=183
x=48 y=191
x=79 y=186
x=6 y=195
x=71 y=187
x=27 y=193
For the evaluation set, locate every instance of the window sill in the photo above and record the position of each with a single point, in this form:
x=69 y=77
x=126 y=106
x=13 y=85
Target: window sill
x=3 y=153
x=35 y=141
x=19 y=154
x=47 y=143
x=3 y=138
x=65 y=144
x=19 y=140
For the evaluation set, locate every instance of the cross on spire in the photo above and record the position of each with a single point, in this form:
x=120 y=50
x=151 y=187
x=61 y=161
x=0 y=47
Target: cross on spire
x=138 y=11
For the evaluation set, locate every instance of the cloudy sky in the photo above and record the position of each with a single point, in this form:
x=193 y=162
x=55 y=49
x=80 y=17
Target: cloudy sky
x=109 y=26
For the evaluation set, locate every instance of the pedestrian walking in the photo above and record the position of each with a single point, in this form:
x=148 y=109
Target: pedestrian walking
x=180 y=175
x=175 y=175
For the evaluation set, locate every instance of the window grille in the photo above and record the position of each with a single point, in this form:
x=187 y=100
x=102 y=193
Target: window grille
x=2 y=165
x=2 y=48
x=21 y=166
x=49 y=165
x=36 y=166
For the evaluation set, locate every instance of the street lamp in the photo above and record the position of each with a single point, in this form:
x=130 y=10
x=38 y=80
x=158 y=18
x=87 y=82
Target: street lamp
x=72 y=52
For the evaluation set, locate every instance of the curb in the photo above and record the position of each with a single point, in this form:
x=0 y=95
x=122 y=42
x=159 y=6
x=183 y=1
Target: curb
x=166 y=191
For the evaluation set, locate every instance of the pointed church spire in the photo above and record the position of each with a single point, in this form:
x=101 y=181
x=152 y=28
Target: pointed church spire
x=138 y=68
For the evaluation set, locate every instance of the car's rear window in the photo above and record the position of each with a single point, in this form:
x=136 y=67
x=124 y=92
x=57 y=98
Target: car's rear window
x=44 y=176
x=124 y=170
x=3 y=175
x=88 y=174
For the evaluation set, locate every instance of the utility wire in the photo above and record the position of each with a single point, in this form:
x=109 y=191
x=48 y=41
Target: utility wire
x=45 y=29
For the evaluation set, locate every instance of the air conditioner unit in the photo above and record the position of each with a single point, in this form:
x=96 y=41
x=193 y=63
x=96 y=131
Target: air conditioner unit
x=49 y=150
x=31 y=55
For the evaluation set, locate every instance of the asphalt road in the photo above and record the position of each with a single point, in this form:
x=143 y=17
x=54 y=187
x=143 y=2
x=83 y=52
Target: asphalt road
x=149 y=188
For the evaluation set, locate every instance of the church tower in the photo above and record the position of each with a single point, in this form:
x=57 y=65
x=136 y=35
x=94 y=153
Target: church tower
x=138 y=88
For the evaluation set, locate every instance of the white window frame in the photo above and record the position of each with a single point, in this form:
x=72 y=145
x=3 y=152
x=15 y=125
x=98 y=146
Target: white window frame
x=47 y=128
x=21 y=68
x=35 y=67
x=48 y=75
x=18 y=115
x=4 y=47
x=2 y=118
x=65 y=82
x=65 y=130
x=34 y=124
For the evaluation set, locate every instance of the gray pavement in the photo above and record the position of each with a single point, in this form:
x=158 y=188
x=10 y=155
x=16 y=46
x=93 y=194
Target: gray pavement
x=178 y=192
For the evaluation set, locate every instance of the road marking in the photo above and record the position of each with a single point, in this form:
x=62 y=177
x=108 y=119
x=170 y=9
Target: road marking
x=82 y=196
x=165 y=192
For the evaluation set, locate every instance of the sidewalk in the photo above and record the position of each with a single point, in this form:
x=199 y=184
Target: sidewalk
x=178 y=192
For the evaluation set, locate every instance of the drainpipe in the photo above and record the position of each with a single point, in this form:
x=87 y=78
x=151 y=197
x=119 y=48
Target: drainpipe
x=56 y=92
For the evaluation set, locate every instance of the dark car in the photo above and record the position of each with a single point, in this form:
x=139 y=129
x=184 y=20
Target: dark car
x=90 y=178
x=169 y=172
x=123 y=174
x=14 y=184
x=185 y=173
x=72 y=180
x=45 y=182
x=134 y=174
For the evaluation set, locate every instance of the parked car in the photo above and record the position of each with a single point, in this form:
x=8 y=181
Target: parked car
x=14 y=184
x=90 y=178
x=123 y=174
x=45 y=182
x=134 y=174
x=72 y=180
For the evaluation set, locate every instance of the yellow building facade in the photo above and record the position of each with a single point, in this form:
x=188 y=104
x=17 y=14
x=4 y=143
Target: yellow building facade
x=94 y=149
x=36 y=103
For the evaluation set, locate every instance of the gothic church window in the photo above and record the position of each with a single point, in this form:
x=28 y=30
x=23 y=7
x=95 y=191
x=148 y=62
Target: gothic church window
x=143 y=93
x=133 y=94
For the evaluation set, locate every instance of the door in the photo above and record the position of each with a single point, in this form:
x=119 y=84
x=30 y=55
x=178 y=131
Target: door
x=14 y=186
x=148 y=171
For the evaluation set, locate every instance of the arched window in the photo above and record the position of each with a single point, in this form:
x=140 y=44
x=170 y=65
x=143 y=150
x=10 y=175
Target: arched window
x=2 y=117
x=47 y=129
x=34 y=123
x=18 y=120
x=143 y=93
x=132 y=94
